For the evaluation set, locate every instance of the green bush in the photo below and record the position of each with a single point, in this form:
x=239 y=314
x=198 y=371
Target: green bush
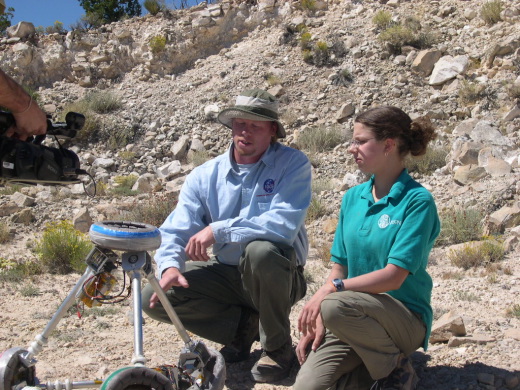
x=320 y=139
x=305 y=40
x=154 y=6
x=124 y=185
x=477 y=254
x=382 y=19
x=157 y=44
x=396 y=37
x=309 y=5
x=460 y=225
x=490 y=12
x=62 y=249
x=427 y=164
x=57 y=28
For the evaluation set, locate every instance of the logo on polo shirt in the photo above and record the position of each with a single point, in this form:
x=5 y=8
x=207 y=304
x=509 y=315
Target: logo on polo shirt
x=385 y=221
x=269 y=186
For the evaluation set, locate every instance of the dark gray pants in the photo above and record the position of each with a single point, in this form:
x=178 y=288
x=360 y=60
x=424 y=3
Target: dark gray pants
x=266 y=280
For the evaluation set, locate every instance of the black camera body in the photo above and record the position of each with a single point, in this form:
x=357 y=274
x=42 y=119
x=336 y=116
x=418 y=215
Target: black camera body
x=30 y=162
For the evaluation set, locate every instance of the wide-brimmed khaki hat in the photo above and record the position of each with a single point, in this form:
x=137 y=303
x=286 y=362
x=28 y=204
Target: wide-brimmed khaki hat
x=255 y=105
x=2 y=6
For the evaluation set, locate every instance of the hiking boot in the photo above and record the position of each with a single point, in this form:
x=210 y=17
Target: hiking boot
x=275 y=365
x=247 y=333
x=403 y=377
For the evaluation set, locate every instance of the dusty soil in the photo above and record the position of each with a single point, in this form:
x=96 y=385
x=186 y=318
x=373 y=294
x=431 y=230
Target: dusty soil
x=101 y=340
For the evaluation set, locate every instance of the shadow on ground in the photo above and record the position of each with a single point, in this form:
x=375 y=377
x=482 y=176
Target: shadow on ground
x=469 y=377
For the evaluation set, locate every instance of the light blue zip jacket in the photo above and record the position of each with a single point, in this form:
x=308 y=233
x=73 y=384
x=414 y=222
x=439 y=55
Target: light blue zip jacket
x=268 y=203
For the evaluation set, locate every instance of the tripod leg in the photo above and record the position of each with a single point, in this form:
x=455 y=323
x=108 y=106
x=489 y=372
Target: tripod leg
x=169 y=309
x=138 y=358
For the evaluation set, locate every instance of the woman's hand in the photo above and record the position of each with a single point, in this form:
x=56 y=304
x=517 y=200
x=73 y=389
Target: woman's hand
x=316 y=336
x=311 y=310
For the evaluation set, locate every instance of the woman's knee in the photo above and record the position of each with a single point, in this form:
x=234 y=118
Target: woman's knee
x=336 y=307
x=308 y=380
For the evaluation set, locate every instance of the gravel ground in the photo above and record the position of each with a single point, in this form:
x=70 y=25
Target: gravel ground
x=99 y=342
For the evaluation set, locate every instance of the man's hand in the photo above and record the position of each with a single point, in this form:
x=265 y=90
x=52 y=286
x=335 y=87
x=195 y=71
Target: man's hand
x=197 y=248
x=171 y=277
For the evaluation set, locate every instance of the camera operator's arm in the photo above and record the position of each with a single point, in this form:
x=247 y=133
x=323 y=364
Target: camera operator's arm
x=30 y=119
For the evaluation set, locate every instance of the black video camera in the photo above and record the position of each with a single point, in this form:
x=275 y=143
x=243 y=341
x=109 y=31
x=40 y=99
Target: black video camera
x=30 y=162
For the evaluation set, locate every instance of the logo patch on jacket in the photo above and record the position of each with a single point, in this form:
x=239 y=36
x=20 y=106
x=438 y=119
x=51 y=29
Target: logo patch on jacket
x=269 y=186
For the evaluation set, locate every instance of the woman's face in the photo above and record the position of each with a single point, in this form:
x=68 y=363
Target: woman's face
x=368 y=152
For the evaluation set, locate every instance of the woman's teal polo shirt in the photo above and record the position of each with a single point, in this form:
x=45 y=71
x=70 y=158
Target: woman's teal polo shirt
x=399 y=229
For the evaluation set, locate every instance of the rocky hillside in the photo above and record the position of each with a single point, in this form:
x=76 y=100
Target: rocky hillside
x=172 y=72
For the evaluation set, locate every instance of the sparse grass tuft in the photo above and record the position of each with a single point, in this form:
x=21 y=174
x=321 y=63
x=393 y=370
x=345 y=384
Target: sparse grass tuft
x=320 y=184
x=466 y=296
x=460 y=225
x=514 y=91
x=153 y=212
x=5 y=236
x=490 y=12
x=323 y=252
x=477 y=254
x=29 y=290
x=427 y=164
x=514 y=311
x=103 y=102
x=127 y=155
x=273 y=80
x=11 y=271
x=9 y=189
x=382 y=19
x=321 y=138
x=470 y=93
x=317 y=209
x=62 y=249
x=199 y=157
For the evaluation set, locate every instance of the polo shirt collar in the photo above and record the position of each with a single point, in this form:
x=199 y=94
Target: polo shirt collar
x=395 y=191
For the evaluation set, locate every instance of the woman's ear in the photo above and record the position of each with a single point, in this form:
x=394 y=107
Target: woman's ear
x=390 y=144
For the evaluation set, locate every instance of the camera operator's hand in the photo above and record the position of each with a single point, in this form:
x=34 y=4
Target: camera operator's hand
x=170 y=277
x=31 y=122
x=30 y=119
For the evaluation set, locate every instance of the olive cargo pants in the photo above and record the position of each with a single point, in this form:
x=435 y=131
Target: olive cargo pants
x=365 y=335
x=267 y=280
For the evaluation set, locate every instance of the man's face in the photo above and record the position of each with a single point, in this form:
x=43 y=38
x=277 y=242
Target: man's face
x=251 y=139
